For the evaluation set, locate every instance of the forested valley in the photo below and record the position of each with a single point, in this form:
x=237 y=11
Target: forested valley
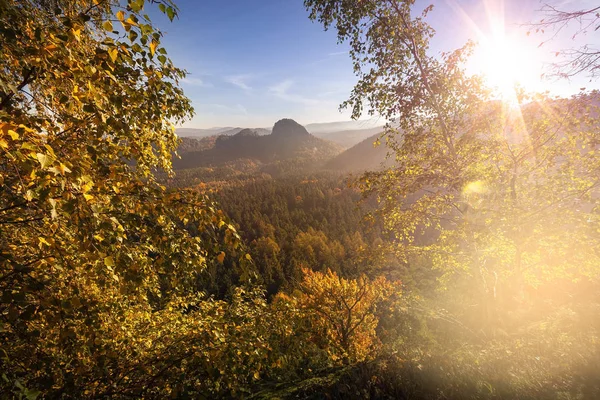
x=452 y=253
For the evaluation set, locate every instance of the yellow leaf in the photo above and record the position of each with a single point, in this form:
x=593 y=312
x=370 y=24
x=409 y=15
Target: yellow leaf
x=3 y=143
x=109 y=261
x=63 y=168
x=130 y=21
x=153 y=45
x=124 y=49
x=113 y=53
x=87 y=187
x=50 y=48
x=26 y=128
x=107 y=25
x=121 y=16
x=221 y=257
x=14 y=135
x=44 y=159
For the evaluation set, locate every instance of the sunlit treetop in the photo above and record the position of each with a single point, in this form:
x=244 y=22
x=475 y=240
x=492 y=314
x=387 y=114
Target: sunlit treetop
x=492 y=193
x=88 y=238
x=91 y=68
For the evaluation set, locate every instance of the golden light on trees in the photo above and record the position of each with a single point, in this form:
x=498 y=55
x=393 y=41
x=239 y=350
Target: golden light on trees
x=498 y=189
x=342 y=313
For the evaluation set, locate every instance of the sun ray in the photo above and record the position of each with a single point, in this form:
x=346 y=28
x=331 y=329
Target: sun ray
x=503 y=57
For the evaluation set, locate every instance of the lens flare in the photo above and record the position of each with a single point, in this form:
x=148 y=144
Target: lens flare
x=506 y=65
x=505 y=55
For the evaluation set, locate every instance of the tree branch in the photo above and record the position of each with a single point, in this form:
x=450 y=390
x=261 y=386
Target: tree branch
x=27 y=79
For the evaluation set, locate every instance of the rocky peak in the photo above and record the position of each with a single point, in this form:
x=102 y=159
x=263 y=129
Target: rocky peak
x=289 y=127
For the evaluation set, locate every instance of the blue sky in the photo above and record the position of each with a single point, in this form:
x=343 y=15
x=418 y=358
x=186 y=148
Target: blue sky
x=252 y=62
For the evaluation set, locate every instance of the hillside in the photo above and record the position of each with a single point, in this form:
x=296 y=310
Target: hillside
x=349 y=138
x=191 y=144
x=288 y=141
x=364 y=156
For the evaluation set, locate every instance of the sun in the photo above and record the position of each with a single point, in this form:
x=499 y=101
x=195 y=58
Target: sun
x=505 y=55
x=508 y=62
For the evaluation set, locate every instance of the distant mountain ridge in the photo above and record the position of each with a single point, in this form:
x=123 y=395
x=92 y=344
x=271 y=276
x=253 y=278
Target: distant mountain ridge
x=288 y=140
x=344 y=133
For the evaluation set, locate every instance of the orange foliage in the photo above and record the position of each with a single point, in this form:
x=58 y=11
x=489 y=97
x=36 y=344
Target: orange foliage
x=342 y=313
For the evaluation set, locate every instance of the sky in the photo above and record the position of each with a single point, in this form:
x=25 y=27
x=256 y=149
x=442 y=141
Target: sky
x=253 y=62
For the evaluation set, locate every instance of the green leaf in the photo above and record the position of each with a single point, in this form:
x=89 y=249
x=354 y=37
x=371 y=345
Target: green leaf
x=171 y=13
x=32 y=394
x=136 y=5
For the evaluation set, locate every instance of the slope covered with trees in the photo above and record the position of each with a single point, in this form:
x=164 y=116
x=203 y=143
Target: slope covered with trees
x=103 y=270
x=368 y=155
x=295 y=222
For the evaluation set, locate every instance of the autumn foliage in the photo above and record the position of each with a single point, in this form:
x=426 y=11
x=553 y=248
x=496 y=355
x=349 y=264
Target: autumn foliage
x=113 y=285
x=342 y=313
